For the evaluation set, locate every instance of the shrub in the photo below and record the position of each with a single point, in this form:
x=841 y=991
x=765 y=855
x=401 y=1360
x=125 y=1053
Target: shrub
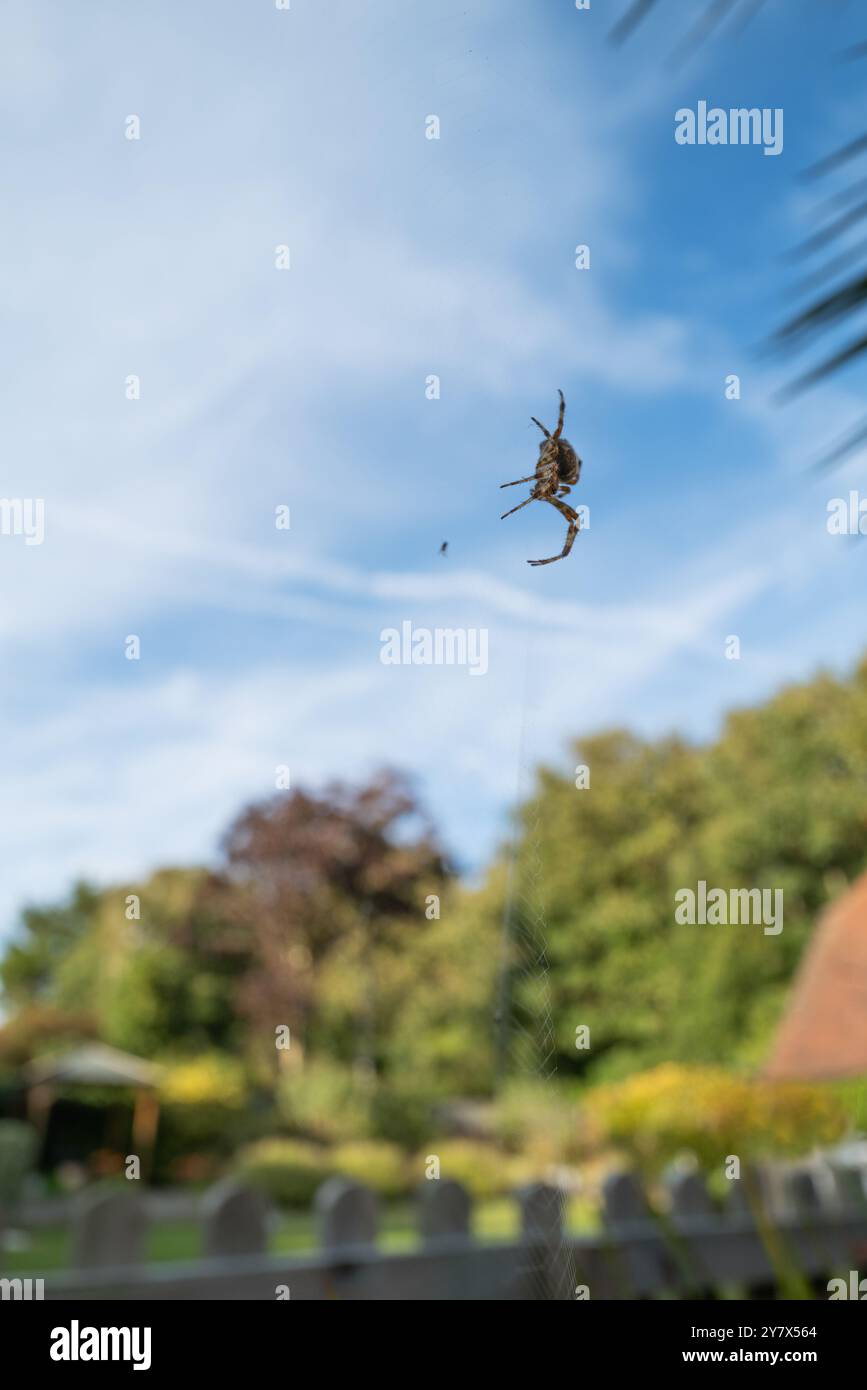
x=709 y=1112
x=289 y=1170
x=380 y=1166
x=211 y=1079
x=326 y=1102
x=401 y=1114
x=482 y=1169
x=204 y=1105
x=543 y=1124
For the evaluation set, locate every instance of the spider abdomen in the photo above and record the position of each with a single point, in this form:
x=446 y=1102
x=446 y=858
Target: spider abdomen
x=568 y=462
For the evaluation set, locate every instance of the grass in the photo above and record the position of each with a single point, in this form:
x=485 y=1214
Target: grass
x=294 y=1234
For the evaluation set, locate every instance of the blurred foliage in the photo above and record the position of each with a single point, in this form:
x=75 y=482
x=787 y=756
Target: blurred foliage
x=207 y=1080
x=317 y=920
x=852 y=1095
x=205 y=1104
x=379 y=1165
x=289 y=1170
x=780 y=800
x=38 y=1028
x=484 y=1170
x=331 y=891
x=18 y=1144
x=658 y=1115
x=401 y=1110
x=325 y=1102
x=162 y=982
x=541 y=1122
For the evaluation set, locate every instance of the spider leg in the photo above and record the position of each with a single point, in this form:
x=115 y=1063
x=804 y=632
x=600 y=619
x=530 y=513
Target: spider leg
x=543 y=473
x=532 y=498
x=559 y=430
x=519 y=480
x=541 y=426
x=574 y=527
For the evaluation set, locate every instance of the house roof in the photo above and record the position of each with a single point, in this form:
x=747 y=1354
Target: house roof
x=93 y=1064
x=823 y=1033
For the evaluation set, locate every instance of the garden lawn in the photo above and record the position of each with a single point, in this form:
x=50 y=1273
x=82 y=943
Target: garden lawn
x=294 y=1233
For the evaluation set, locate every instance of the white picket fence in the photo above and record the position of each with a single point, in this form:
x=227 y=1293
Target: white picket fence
x=693 y=1250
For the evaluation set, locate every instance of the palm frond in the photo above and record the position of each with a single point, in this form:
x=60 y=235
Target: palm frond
x=826 y=368
x=844 y=195
x=749 y=12
x=831 y=232
x=830 y=268
x=637 y=11
x=825 y=313
x=711 y=19
x=832 y=308
x=833 y=161
x=715 y=13
x=847 y=446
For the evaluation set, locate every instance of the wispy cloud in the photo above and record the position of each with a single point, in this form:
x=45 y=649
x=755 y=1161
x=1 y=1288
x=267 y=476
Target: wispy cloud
x=261 y=387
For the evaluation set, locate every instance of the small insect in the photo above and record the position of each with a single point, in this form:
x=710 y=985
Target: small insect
x=444 y=547
x=558 y=467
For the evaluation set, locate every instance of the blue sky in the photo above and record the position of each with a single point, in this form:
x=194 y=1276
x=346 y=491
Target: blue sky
x=306 y=387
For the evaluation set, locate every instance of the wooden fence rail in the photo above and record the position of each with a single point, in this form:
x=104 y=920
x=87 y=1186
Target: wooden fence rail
x=694 y=1249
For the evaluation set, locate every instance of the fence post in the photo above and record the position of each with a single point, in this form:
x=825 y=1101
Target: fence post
x=689 y=1198
x=547 y=1266
x=109 y=1229
x=851 y=1186
x=348 y=1214
x=634 y=1231
x=802 y=1192
x=754 y=1185
x=444 y=1209
x=624 y=1202
x=691 y=1207
x=236 y=1220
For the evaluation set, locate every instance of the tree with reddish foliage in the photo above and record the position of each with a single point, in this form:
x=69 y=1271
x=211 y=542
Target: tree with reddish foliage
x=329 y=887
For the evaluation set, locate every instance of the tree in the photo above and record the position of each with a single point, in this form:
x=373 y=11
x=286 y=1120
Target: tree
x=48 y=934
x=162 y=980
x=331 y=887
x=779 y=801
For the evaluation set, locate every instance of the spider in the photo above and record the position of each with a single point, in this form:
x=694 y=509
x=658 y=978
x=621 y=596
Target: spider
x=557 y=468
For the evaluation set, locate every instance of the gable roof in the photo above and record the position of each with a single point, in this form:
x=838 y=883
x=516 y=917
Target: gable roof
x=823 y=1033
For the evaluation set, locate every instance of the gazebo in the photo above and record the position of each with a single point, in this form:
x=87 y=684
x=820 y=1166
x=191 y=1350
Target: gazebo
x=95 y=1064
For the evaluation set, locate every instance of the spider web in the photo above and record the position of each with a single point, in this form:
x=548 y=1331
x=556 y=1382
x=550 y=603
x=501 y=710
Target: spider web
x=526 y=1038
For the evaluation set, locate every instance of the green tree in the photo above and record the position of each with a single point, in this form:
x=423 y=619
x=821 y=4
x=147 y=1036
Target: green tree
x=164 y=980
x=778 y=801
